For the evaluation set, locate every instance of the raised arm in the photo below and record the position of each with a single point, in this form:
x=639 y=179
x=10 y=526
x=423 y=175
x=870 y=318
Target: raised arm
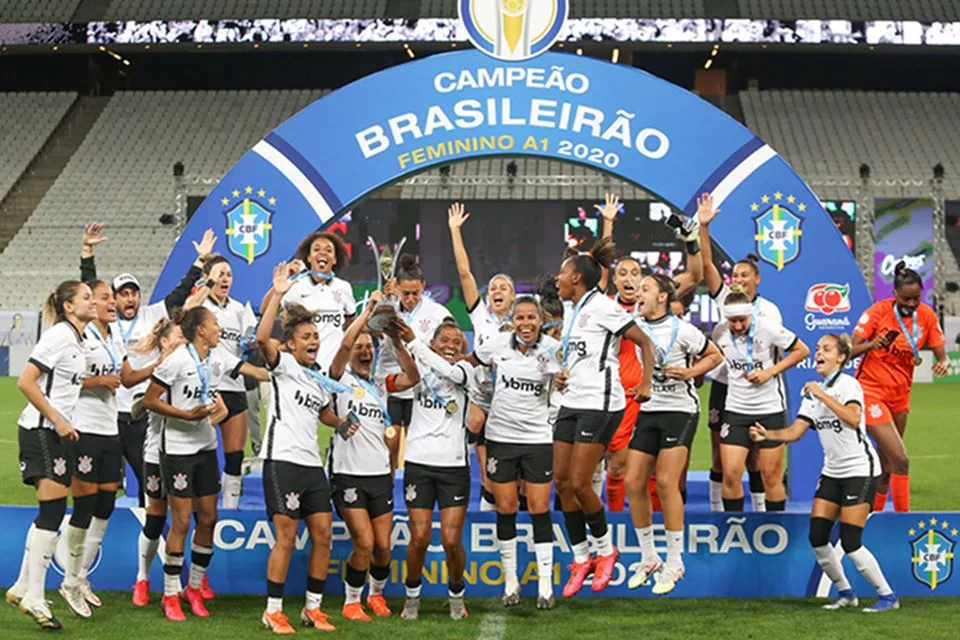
x=92 y=236
x=690 y=279
x=456 y=216
x=609 y=210
x=342 y=358
x=435 y=361
x=409 y=375
x=705 y=214
x=269 y=346
x=178 y=297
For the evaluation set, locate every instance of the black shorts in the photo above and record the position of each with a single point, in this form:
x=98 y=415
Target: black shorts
x=508 y=462
x=153 y=481
x=736 y=426
x=295 y=490
x=586 y=425
x=44 y=455
x=718 y=400
x=847 y=492
x=400 y=410
x=236 y=402
x=373 y=493
x=446 y=486
x=98 y=458
x=663 y=430
x=192 y=476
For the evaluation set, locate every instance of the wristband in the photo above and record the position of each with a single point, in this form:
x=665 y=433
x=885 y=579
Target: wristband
x=693 y=247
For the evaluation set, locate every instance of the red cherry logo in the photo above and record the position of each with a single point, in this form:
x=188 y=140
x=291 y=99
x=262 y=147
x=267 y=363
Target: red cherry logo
x=833 y=299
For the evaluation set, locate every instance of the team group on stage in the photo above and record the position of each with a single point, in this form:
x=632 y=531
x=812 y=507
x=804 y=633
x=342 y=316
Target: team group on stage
x=558 y=386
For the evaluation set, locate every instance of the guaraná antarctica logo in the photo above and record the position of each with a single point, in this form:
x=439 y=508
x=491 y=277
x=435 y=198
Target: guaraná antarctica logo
x=931 y=551
x=778 y=229
x=513 y=30
x=248 y=222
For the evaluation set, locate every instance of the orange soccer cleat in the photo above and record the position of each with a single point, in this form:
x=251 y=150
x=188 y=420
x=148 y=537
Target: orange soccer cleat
x=378 y=604
x=195 y=599
x=316 y=619
x=277 y=623
x=205 y=591
x=354 y=611
x=171 y=609
x=578 y=574
x=141 y=593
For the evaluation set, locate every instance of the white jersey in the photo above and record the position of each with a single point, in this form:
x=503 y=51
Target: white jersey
x=179 y=374
x=151 y=441
x=486 y=326
x=764 y=309
x=763 y=342
x=520 y=410
x=424 y=320
x=847 y=452
x=365 y=453
x=332 y=304
x=294 y=414
x=59 y=356
x=678 y=344
x=593 y=354
x=96 y=411
x=236 y=320
x=130 y=333
x=436 y=436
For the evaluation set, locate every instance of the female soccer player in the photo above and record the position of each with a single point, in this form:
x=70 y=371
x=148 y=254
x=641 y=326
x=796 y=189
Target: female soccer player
x=592 y=408
x=749 y=344
x=363 y=465
x=183 y=389
x=891 y=333
x=437 y=468
x=519 y=440
x=746 y=276
x=50 y=382
x=834 y=407
x=236 y=321
x=665 y=429
x=294 y=483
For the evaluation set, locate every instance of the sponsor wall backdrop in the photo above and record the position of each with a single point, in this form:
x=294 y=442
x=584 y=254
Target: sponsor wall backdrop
x=904 y=231
x=748 y=556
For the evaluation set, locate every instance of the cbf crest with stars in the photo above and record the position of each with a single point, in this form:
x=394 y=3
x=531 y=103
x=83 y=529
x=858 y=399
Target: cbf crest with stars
x=778 y=228
x=932 y=551
x=248 y=214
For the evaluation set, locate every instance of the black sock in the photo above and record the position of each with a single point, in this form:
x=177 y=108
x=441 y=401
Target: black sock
x=412 y=583
x=756 y=481
x=683 y=495
x=355 y=578
x=776 y=505
x=576 y=526
x=716 y=476
x=557 y=503
x=456 y=589
x=274 y=589
x=598 y=523
x=522 y=504
x=733 y=504
x=506 y=526
x=233 y=463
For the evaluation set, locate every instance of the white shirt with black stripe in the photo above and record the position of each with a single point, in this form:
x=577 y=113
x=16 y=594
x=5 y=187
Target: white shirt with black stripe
x=96 y=411
x=436 y=437
x=744 y=396
x=130 y=332
x=59 y=356
x=765 y=309
x=594 y=354
x=235 y=320
x=294 y=414
x=331 y=303
x=365 y=453
x=669 y=394
x=424 y=320
x=520 y=409
x=486 y=326
x=847 y=452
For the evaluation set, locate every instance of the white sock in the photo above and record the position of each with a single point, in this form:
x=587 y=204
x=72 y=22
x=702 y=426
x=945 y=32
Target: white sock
x=148 y=551
x=486 y=506
x=75 y=548
x=508 y=556
x=648 y=552
x=231 y=486
x=829 y=561
x=20 y=586
x=98 y=528
x=544 y=568
x=605 y=543
x=171 y=582
x=353 y=593
x=42 y=546
x=581 y=552
x=314 y=600
x=376 y=586
x=274 y=605
x=869 y=568
x=597 y=480
x=716 y=495
x=413 y=592
x=197 y=571
x=675 y=548
x=759 y=501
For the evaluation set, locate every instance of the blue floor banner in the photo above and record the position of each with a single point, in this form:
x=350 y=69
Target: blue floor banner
x=726 y=555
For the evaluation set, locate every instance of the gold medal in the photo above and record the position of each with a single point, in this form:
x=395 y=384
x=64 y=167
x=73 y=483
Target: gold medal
x=452 y=407
x=565 y=372
x=358 y=393
x=917 y=361
x=559 y=356
x=390 y=433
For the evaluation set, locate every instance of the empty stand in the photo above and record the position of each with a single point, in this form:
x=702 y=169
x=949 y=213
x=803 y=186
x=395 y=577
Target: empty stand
x=26 y=121
x=37 y=10
x=923 y=10
x=222 y=9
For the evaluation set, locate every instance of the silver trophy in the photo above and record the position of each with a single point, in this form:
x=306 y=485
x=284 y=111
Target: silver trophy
x=386 y=309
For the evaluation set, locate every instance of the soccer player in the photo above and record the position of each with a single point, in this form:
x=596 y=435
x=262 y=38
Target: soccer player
x=592 y=408
x=50 y=382
x=519 y=440
x=834 y=407
x=755 y=394
x=437 y=467
x=891 y=334
x=363 y=465
x=665 y=429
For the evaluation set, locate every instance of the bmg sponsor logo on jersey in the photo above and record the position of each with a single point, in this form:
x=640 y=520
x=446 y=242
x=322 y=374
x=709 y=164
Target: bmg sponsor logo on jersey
x=334 y=318
x=833 y=424
x=308 y=400
x=823 y=300
x=364 y=410
x=523 y=386
x=932 y=543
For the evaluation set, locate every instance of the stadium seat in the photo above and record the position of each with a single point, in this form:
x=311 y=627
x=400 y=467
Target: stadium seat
x=37 y=10
x=224 y=9
x=26 y=121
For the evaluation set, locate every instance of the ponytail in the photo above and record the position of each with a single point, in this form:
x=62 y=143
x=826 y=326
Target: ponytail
x=902 y=276
x=590 y=265
x=53 y=307
x=151 y=342
x=752 y=261
x=407 y=268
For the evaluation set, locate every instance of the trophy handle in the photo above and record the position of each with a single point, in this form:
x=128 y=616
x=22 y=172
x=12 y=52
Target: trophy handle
x=376 y=261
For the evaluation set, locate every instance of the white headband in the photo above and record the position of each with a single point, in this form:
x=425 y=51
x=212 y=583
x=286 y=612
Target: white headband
x=737 y=310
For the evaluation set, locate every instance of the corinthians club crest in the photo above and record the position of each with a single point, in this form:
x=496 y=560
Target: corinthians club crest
x=932 y=551
x=248 y=222
x=778 y=228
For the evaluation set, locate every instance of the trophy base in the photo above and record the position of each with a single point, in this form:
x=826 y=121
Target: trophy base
x=380 y=321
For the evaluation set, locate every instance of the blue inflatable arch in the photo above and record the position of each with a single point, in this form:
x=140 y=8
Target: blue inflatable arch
x=615 y=118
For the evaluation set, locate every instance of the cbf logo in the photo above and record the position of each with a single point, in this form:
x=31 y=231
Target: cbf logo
x=513 y=30
x=932 y=551
x=778 y=229
x=248 y=222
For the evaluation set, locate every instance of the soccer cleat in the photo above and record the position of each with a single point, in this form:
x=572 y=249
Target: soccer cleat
x=277 y=623
x=578 y=574
x=544 y=603
x=667 y=579
x=41 y=614
x=603 y=572
x=205 y=591
x=89 y=595
x=172 y=610
x=845 y=599
x=195 y=600
x=378 y=604
x=141 y=593
x=884 y=603
x=458 y=608
x=316 y=619
x=411 y=609
x=13 y=597
x=643 y=574
x=511 y=599
x=355 y=613
x=75 y=600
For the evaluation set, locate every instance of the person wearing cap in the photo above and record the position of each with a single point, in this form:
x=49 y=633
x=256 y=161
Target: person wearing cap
x=135 y=321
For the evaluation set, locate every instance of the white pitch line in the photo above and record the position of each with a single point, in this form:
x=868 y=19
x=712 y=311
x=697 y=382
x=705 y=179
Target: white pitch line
x=493 y=627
